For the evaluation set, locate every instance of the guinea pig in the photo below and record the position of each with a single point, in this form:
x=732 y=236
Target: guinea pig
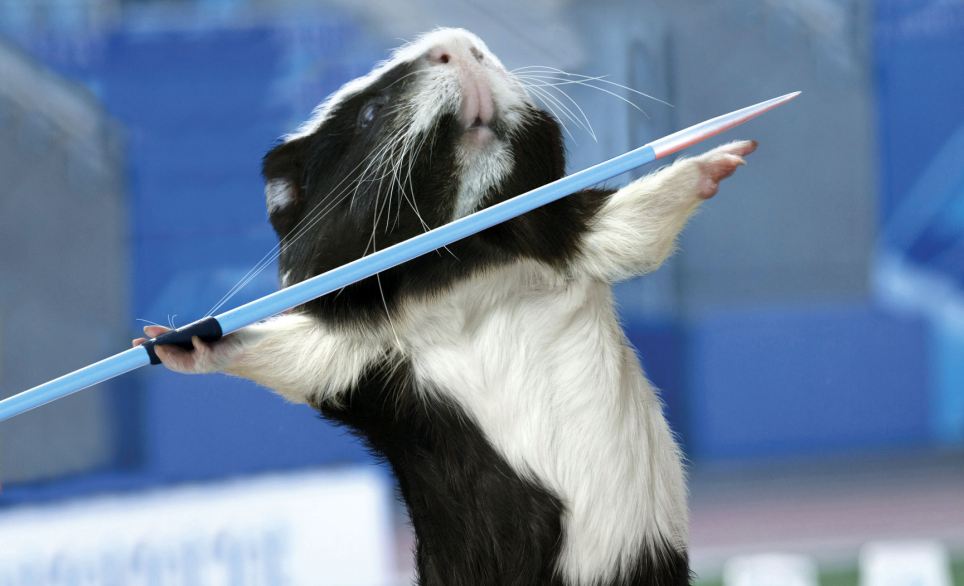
x=492 y=376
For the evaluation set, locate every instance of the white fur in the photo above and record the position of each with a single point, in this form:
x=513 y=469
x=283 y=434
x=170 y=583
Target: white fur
x=295 y=355
x=480 y=167
x=538 y=360
x=540 y=363
x=302 y=359
x=438 y=89
x=636 y=229
x=278 y=194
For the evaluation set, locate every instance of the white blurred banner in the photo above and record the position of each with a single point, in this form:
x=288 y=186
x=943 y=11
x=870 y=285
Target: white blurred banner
x=898 y=563
x=311 y=528
x=770 y=570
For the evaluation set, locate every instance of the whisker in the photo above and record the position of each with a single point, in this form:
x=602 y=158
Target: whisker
x=391 y=324
x=592 y=131
x=412 y=158
x=301 y=228
x=599 y=78
x=293 y=236
x=315 y=215
x=547 y=101
x=387 y=169
x=604 y=90
x=585 y=124
x=406 y=76
x=277 y=252
x=384 y=167
x=278 y=248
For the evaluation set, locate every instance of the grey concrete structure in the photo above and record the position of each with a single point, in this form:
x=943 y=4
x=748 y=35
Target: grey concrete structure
x=63 y=265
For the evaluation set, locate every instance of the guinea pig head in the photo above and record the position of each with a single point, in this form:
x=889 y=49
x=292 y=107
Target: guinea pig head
x=436 y=132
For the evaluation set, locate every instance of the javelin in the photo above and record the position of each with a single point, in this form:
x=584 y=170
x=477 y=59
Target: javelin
x=213 y=328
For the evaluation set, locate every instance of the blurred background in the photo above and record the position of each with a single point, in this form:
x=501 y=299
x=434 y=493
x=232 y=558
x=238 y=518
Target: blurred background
x=808 y=337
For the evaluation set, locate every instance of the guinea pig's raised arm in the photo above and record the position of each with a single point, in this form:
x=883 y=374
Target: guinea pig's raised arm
x=293 y=354
x=636 y=229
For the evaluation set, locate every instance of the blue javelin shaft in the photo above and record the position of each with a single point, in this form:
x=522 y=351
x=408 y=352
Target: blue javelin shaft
x=337 y=278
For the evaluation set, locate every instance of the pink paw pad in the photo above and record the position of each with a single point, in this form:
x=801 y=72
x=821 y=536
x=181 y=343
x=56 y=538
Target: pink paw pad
x=721 y=162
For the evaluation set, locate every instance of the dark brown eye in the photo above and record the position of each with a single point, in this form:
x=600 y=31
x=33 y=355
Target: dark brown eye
x=369 y=112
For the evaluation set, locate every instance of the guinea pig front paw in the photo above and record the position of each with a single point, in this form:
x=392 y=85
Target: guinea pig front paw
x=204 y=358
x=716 y=165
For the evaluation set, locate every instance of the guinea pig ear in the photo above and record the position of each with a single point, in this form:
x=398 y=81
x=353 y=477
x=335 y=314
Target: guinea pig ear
x=284 y=169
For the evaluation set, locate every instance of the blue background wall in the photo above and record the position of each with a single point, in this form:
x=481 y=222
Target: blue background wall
x=199 y=111
x=775 y=380
x=919 y=61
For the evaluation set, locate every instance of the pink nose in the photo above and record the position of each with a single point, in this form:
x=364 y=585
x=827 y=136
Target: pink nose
x=443 y=55
x=477 y=107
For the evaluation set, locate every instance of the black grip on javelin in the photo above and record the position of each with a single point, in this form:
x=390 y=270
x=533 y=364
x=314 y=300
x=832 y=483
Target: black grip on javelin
x=208 y=329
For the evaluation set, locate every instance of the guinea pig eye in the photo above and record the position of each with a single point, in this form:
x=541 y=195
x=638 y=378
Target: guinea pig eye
x=369 y=112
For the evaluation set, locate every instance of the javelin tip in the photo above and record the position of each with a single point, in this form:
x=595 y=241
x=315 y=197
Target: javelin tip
x=788 y=97
x=699 y=132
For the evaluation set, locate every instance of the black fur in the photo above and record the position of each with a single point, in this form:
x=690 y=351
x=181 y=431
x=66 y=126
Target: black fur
x=318 y=165
x=477 y=521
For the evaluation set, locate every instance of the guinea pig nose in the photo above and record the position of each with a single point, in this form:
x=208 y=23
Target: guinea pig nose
x=438 y=56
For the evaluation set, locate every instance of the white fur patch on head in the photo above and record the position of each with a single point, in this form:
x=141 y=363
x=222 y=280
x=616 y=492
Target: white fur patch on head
x=279 y=194
x=438 y=88
x=434 y=91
